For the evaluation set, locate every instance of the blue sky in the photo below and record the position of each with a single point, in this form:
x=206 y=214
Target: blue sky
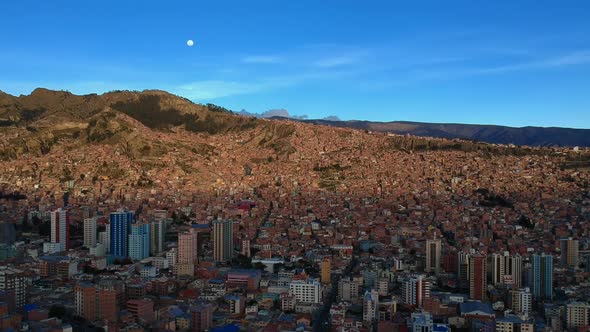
x=494 y=62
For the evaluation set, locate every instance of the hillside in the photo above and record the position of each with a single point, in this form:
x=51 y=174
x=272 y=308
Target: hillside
x=529 y=136
x=97 y=145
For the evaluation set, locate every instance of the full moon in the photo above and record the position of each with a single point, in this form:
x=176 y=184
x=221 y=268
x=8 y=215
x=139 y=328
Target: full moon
x=190 y=42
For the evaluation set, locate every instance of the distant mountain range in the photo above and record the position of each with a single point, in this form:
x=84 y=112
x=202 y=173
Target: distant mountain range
x=529 y=136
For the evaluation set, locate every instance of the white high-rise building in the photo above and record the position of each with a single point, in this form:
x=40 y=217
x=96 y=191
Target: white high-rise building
x=104 y=237
x=89 y=232
x=348 y=290
x=60 y=231
x=522 y=301
x=370 y=306
x=415 y=290
x=506 y=269
x=171 y=256
x=306 y=291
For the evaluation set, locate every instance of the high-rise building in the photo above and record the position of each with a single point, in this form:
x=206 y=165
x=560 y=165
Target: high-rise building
x=120 y=228
x=104 y=237
x=309 y=291
x=421 y=322
x=60 y=230
x=14 y=280
x=348 y=290
x=139 y=241
x=370 y=306
x=542 y=276
x=506 y=269
x=326 y=271
x=201 y=317
x=522 y=301
x=570 y=253
x=477 y=277
x=433 y=255
x=245 y=250
x=157 y=236
x=463 y=262
x=187 y=253
x=223 y=240
x=415 y=290
x=577 y=315
x=89 y=232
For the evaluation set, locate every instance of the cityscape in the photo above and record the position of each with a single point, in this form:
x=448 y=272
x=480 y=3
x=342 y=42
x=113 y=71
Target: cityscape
x=309 y=166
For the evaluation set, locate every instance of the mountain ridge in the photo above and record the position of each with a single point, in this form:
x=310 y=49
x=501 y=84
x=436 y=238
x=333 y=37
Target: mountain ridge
x=495 y=134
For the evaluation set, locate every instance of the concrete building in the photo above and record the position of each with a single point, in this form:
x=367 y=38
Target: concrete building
x=512 y=323
x=348 y=290
x=14 y=280
x=370 y=306
x=570 y=253
x=415 y=290
x=506 y=269
x=577 y=315
x=522 y=301
x=306 y=291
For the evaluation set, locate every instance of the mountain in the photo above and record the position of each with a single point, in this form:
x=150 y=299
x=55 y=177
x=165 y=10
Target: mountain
x=137 y=143
x=529 y=136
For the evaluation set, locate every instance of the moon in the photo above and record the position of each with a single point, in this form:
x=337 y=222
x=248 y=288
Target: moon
x=190 y=43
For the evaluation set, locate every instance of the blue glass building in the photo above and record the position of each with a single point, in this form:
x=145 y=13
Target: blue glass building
x=120 y=229
x=139 y=241
x=542 y=272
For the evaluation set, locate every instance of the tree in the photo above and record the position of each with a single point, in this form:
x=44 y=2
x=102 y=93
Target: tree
x=57 y=310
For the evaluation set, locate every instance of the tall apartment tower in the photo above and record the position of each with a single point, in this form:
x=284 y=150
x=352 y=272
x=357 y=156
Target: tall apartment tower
x=60 y=230
x=12 y=279
x=478 y=277
x=139 y=241
x=415 y=290
x=433 y=255
x=522 y=301
x=570 y=253
x=89 y=232
x=120 y=228
x=463 y=267
x=223 y=240
x=506 y=269
x=157 y=236
x=542 y=273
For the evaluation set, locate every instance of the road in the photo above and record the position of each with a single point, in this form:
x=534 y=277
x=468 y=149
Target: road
x=321 y=321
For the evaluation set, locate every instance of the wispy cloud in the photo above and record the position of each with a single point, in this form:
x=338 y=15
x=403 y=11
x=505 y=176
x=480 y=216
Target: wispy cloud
x=268 y=59
x=337 y=61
